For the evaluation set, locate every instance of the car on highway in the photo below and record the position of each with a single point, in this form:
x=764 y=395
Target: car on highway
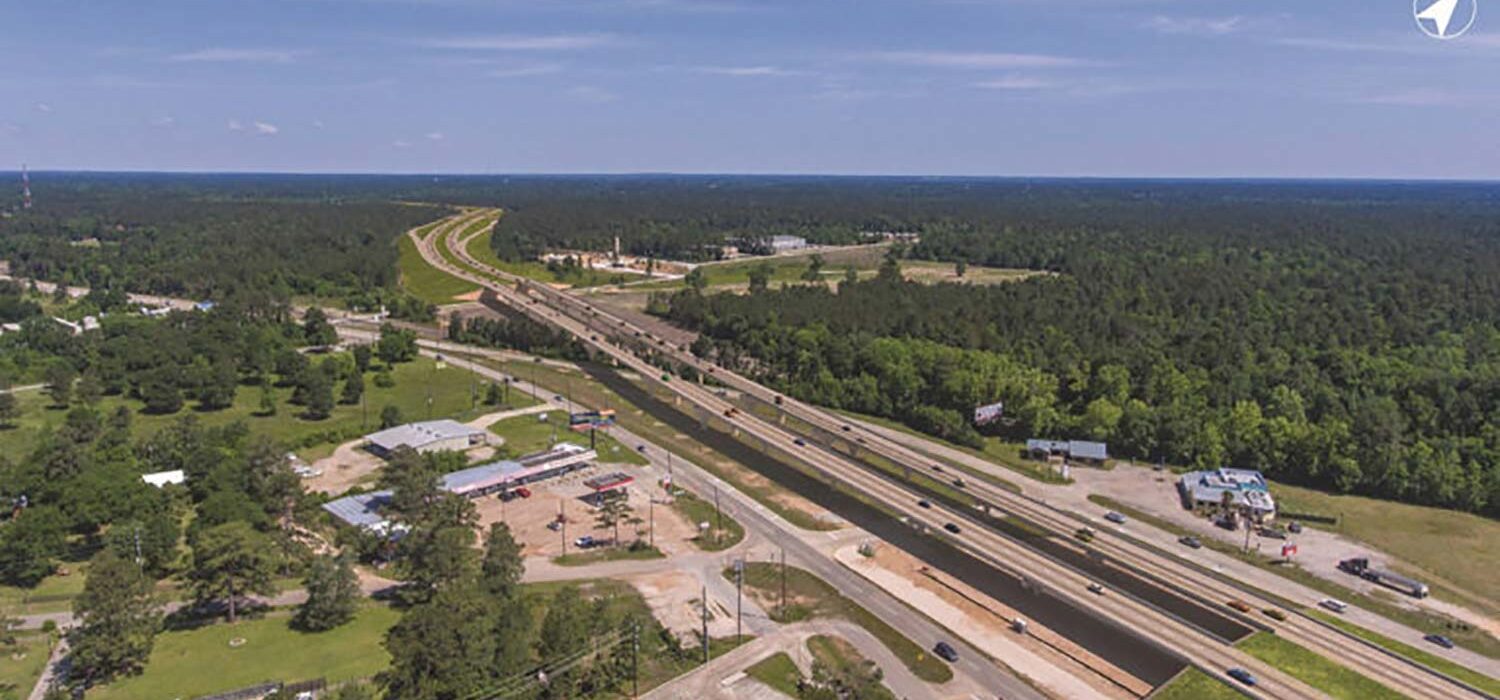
x=1191 y=541
x=1115 y=518
x=640 y=448
x=946 y=651
x=959 y=483
x=1242 y=676
x=950 y=527
x=1440 y=640
x=925 y=503
x=584 y=542
x=1096 y=589
x=1239 y=605
x=937 y=468
x=1084 y=533
x=800 y=442
x=1275 y=614
x=844 y=428
x=1337 y=606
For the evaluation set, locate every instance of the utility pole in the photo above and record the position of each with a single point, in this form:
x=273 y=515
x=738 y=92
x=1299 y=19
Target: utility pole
x=651 y=513
x=739 y=600
x=718 y=516
x=783 y=582
x=705 y=625
x=562 y=527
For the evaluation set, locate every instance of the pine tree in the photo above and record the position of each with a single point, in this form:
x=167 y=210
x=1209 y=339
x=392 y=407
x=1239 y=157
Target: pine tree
x=117 y=621
x=354 y=389
x=230 y=561
x=332 y=595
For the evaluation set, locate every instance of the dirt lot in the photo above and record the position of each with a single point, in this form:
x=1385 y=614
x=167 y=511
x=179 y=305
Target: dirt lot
x=349 y=464
x=675 y=598
x=528 y=517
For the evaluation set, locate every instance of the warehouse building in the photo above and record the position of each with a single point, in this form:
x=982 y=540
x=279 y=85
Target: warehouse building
x=363 y=511
x=1072 y=450
x=1248 y=491
x=426 y=436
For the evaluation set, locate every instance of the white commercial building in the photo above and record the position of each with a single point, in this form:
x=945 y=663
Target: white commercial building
x=426 y=436
x=1248 y=491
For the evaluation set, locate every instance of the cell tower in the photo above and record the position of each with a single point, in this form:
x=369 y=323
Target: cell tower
x=25 y=188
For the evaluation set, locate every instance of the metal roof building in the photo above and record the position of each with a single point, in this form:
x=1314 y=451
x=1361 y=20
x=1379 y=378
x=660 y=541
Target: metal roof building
x=1248 y=488
x=362 y=510
x=426 y=436
x=487 y=478
x=1072 y=449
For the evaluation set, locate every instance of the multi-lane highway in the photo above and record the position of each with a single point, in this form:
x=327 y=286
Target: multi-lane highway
x=447 y=250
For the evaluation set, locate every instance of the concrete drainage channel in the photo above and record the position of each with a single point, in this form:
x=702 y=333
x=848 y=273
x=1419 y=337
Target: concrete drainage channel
x=1118 y=646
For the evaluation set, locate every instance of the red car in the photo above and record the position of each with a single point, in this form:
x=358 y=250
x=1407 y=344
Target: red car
x=523 y=492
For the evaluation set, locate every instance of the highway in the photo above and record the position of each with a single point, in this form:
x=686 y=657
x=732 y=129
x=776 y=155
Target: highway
x=1154 y=626
x=1394 y=671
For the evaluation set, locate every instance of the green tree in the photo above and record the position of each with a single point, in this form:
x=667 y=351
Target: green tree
x=117 y=621
x=396 y=345
x=332 y=595
x=696 y=279
x=503 y=565
x=267 y=399
x=436 y=559
x=160 y=394
x=960 y=267
x=390 y=416
x=231 y=561
x=493 y=396
x=760 y=277
x=10 y=409
x=353 y=691
x=814 y=271
x=611 y=513
x=565 y=629
x=316 y=329
x=442 y=649
x=28 y=545
x=354 y=389
x=90 y=389
x=152 y=535
x=318 y=393
x=59 y=377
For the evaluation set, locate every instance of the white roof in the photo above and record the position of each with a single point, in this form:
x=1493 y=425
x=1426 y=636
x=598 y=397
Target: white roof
x=160 y=479
x=415 y=435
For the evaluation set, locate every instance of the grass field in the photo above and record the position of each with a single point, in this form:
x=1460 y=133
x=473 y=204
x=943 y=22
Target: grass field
x=19 y=675
x=1437 y=663
x=200 y=661
x=844 y=660
x=588 y=392
x=777 y=672
x=866 y=261
x=603 y=554
x=1454 y=550
x=1314 y=670
x=425 y=281
x=449 y=389
x=809 y=596
x=481 y=250
x=723 y=531
x=1193 y=684
x=527 y=434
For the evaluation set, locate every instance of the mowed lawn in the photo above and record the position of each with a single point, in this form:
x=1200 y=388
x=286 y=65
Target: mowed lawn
x=1193 y=684
x=1447 y=546
x=482 y=251
x=449 y=388
x=527 y=434
x=199 y=662
x=19 y=675
x=425 y=281
x=1314 y=670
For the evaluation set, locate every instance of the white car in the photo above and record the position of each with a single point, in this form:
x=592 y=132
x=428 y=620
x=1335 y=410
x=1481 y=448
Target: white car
x=1337 y=606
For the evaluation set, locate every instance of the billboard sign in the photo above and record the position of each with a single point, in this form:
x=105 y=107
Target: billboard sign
x=984 y=415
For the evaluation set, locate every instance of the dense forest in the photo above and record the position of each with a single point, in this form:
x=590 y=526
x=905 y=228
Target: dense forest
x=190 y=237
x=1343 y=338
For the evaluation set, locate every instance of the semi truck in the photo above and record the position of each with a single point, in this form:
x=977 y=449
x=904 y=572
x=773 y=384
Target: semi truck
x=1360 y=566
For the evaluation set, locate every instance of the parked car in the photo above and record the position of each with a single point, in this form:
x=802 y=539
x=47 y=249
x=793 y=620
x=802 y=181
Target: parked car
x=523 y=492
x=584 y=542
x=1191 y=541
x=1275 y=614
x=1115 y=518
x=1440 y=640
x=1242 y=676
x=1239 y=605
x=555 y=525
x=1337 y=606
x=946 y=651
x=925 y=503
x=1096 y=589
x=844 y=428
x=1272 y=533
x=1294 y=527
x=950 y=527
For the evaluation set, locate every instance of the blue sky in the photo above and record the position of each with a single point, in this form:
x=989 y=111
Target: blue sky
x=1215 y=88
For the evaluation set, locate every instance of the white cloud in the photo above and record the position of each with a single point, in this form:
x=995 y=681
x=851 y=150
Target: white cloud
x=524 y=71
x=434 y=136
x=266 y=129
x=317 y=123
x=959 y=59
x=1415 y=98
x=222 y=55
x=401 y=144
x=164 y=122
x=527 y=42
x=589 y=93
x=1197 y=26
x=235 y=125
x=745 y=71
x=1014 y=82
x=43 y=107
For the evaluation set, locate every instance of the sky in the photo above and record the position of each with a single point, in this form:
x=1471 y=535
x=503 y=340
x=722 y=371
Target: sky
x=1149 y=88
